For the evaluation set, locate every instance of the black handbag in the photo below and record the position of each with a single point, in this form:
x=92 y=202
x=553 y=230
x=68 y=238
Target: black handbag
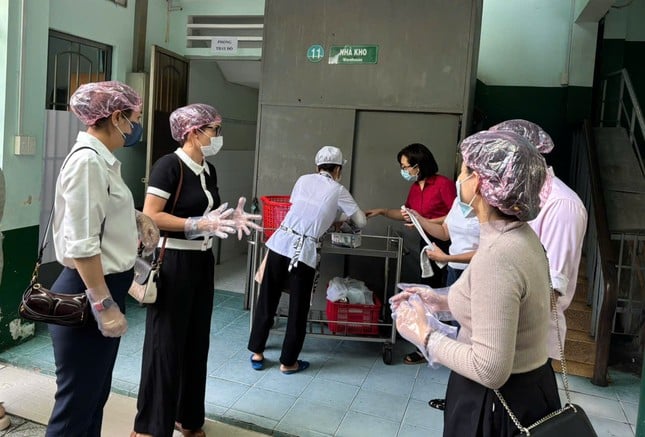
x=570 y=420
x=39 y=304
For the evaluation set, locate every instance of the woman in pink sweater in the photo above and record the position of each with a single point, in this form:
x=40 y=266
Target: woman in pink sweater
x=501 y=301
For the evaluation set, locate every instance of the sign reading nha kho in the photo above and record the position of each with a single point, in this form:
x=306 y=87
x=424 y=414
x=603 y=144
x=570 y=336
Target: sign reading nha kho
x=363 y=54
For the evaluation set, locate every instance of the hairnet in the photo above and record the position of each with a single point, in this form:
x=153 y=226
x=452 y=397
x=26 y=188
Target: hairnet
x=530 y=131
x=511 y=171
x=96 y=100
x=187 y=118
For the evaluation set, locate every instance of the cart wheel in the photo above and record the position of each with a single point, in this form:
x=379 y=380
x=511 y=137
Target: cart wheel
x=387 y=353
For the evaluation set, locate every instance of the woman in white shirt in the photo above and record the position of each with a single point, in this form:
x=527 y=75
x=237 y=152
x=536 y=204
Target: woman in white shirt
x=95 y=237
x=315 y=201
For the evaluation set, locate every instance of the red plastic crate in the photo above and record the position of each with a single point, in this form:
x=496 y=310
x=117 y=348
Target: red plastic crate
x=274 y=208
x=352 y=312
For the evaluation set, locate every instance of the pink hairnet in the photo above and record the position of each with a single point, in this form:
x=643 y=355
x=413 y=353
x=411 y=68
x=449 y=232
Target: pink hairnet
x=530 y=131
x=511 y=171
x=96 y=100
x=187 y=118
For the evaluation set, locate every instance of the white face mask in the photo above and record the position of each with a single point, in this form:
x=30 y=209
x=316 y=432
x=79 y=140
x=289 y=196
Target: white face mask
x=214 y=147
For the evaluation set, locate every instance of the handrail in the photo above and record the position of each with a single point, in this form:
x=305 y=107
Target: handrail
x=636 y=115
x=607 y=263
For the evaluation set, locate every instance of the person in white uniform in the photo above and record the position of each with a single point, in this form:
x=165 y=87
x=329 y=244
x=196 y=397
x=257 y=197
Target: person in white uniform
x=315 y=202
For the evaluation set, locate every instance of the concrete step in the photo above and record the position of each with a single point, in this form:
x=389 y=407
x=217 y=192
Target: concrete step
x=575 y=368
x=579 y=346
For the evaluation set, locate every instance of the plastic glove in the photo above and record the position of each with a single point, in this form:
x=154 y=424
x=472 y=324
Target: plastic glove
x=436 y=254
x=148 y=233
x=436 y=300
x=415 y=324
x=216 y=223
x=108 y=315
x=243 y=220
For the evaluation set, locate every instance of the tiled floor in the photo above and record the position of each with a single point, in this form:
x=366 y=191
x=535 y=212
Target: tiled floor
x=348 y=391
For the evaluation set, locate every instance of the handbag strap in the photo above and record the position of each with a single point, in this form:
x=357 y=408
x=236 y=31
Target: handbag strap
x=43 y=243
x=172 y=211
x=563 y=363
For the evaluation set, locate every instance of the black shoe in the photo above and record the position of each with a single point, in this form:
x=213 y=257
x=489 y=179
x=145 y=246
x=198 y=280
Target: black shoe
x=439 y=404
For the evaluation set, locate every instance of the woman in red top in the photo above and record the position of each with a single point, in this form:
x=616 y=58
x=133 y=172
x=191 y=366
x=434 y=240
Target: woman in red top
x=431 y=195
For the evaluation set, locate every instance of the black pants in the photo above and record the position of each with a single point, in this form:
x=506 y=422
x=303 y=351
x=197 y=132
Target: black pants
x=474 y=410
x=438 y=279
x=299 y=281
x=84 y=363
x=175 y=349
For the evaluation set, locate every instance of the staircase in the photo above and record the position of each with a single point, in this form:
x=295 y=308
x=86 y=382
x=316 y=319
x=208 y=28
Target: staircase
x=579 y=346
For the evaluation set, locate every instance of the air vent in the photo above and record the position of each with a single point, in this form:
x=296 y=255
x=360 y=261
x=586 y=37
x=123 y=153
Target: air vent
x=247 y=29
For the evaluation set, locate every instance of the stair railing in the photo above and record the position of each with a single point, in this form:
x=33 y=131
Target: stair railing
x=600 y=256
x=627 y=109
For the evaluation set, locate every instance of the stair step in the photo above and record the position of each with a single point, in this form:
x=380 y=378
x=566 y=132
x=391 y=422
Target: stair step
x=580 y=347
x=578 y=316
x=574 y=368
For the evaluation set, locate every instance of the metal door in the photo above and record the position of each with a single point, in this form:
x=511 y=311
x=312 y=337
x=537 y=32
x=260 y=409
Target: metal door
x=168 y=91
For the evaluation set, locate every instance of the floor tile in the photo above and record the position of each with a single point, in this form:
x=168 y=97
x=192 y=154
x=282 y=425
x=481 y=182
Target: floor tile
x=599 y=407
x=610 y=428
x=584 y=385
x=259 y=422
x=274 y=380
x=631 y=411
x=425 y=389
x=298 y=420
x=222 y=392
x=380 y=404
x=362 y=425
x=419 y=414
x=337 y=370
x=395 y=384
x=254 y=401
x=330 y=393
x=416 y=431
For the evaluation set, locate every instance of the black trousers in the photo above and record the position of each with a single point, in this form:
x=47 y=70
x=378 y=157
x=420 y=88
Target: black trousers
x=175 y=348
x=474 y=410
x=84 y=363
x=299 y=281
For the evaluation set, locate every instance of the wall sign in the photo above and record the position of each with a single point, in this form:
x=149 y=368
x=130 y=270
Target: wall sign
x=224 y=45
x=315 y=53
x=350 y=54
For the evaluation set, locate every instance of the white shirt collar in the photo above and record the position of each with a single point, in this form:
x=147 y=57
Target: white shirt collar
x=96 y=144
x=196 y=168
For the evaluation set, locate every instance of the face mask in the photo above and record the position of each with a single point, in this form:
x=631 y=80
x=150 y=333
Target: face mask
x=214 y=147
x=135 y=133
x=466 y=208
x=407 y=176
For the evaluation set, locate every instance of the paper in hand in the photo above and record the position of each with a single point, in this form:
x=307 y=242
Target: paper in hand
x=421 y=232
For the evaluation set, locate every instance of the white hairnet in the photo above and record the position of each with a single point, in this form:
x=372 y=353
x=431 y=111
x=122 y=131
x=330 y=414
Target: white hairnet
x=96 y=100
x=511 y=171
x=188 y=118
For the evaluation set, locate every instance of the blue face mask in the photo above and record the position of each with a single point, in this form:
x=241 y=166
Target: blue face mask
x=466 y=208
x=407 y=176
x=135 y=133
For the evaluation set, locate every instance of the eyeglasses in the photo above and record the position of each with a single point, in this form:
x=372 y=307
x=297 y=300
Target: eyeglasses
x=408 y=167
x=217 y=129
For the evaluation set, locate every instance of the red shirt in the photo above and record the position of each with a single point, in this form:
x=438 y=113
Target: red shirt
x=435 y=199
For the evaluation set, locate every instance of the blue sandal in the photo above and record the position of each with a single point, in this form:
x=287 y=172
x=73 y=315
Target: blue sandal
x=257 y=364
x=302 y=365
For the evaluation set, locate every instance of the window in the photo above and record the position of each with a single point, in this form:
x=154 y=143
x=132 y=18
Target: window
x=71 y=62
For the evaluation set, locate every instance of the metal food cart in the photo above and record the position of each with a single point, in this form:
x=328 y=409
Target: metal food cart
x=388 y=248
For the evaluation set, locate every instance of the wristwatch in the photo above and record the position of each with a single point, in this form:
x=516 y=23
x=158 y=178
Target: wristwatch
x=103 y=304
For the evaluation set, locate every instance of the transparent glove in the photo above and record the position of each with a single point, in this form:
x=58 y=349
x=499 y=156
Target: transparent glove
x=106 y=311
x=216 y=222
x=243 y=220
x=435 y=299
x=148 y=233
x=416 y=324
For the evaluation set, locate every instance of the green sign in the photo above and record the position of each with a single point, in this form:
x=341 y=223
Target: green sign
x=315 y=53
x=353 y=55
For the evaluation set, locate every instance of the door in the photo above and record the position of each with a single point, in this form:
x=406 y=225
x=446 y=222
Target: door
x=168 y=91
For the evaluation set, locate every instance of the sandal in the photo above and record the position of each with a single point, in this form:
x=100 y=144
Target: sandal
x=439 y=404
x=189 y=432
x=414 y=358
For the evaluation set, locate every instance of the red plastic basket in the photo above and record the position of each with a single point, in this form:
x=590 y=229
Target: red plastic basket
x=352 y=312
x=274 y=208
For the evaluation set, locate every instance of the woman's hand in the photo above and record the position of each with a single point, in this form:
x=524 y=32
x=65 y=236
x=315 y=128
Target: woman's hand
x=375 y=212
x=243 y=220
x=437 y=254
x=148 y=233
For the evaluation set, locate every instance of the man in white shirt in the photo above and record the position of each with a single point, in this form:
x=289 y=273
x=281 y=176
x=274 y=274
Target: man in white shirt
x=315 y=202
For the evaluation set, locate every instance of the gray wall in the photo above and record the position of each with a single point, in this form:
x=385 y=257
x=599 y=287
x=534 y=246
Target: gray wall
x=420 y=90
